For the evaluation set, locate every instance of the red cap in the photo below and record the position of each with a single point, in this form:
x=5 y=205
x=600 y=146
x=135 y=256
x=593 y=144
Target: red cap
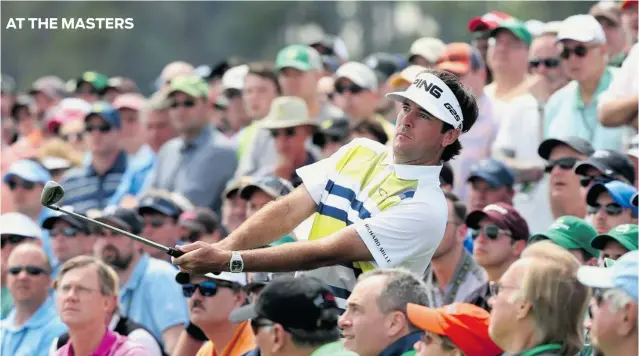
x=489 y=21
x=629 y=3
x=466 y=325
x=131 y=101
x=504 y=216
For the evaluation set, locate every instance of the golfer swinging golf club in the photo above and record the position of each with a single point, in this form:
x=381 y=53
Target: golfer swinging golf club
x=376 y=207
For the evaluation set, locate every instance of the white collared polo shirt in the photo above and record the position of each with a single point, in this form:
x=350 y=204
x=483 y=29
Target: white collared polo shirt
x=399 y=211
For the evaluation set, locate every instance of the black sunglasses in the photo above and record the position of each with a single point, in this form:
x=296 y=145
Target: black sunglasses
x=192 y=236
x=355 y=89
x=612 y=209
x=207 y=289
x=26 y=185
x=586 y=180
x=547 y=62
x=579 y=51
x=288 y=132
x=566 y=164
x=73 y=136
x=185 y=103
x=155 y=222
x=66 y=232
x=258 y=323
x=11 y=239
x=31 y=270
x=102 y=128
x=491 y=231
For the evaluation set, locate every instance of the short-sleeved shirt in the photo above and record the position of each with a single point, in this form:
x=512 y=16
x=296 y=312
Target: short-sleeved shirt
x=35 y=336
x=567 y=115
x=85 y=189
x=399 y=211
x=112 y=344
x=134 y=178
x=468 y=276
x=199 y=170
x=152 y=298
x=242 y=341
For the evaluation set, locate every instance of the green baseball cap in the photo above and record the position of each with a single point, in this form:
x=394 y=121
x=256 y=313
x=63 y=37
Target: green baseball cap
x=569 y=232
x=516 y=27
x=625 y=234
x=189 y=84
x=301 y=57
x=98 y=80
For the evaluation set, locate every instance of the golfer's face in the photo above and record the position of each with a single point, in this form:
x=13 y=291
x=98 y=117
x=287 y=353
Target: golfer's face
x=417 y=133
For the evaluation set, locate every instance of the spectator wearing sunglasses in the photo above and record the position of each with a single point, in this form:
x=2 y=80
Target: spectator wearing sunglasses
x=91 y=186
x=454 y=329
x=70 y=237
x=573 y=234
x=200 y=224
x=604 y=166
x=561 y=155
x=234 y=207
x=617 y=242
x=572 y=110
x=480 y=27
x=199 y=163
x=90 y=86
x=160 y=212
x=87 y=294
x=15 y=229
x=148 y=293
x=609 y=205
x=614 y=324
x=466 y=63
x=294 y=316
x=500 y=236
x=291 y=126
x=357 y=92
x=490 y=181
x=33 y=324
x=232 y=89
x=530 y=314
x=211 y=301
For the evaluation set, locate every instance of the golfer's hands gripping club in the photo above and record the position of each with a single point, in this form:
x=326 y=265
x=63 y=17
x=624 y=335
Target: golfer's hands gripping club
x=199 y=258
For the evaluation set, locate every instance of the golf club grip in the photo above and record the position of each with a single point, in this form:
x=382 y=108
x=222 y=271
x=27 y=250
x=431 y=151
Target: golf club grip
x=174 y=252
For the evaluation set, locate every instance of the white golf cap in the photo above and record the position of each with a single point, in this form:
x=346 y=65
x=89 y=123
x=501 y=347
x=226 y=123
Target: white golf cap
x=434 y=96
x=358 y=73
x=581 y=28
x=19 y=224
x=234 y=77
x=428 y=47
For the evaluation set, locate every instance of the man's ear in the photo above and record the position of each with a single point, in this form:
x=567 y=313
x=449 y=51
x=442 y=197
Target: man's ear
x=450 y=137
x=518 y=247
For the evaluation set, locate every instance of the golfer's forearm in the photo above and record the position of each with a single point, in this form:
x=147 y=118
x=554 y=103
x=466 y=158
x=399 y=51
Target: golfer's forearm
x=271 y=222
x=618 y=112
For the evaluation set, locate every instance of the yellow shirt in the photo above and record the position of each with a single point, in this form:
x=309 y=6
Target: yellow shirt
x=243 y=341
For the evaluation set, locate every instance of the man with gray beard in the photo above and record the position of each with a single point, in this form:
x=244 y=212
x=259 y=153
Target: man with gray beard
x=148 y=292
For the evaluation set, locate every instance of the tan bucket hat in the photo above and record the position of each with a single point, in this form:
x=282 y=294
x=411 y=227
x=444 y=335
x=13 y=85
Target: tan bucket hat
x=287 y=111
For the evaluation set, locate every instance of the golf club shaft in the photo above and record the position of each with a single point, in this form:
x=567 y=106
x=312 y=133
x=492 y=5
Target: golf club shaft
x=168 y=250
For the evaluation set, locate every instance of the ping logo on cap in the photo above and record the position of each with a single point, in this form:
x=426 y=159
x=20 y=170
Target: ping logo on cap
x=623 y=228
x=559 y=225
x=497 y=208
x=430 y=88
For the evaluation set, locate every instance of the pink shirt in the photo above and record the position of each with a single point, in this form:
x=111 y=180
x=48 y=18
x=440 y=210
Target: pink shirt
x=112 y=345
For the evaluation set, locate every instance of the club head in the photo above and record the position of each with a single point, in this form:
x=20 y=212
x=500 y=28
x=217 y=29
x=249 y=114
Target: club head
x=51 y=194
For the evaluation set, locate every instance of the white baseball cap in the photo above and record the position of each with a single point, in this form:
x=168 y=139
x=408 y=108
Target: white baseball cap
x=234 y=77
x=358 y=73
x=428 y=47
x=19 y=224
x=581 y=28
x=434 y=96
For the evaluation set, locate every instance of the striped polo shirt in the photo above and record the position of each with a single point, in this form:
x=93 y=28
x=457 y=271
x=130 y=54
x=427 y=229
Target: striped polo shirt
x=398 y=210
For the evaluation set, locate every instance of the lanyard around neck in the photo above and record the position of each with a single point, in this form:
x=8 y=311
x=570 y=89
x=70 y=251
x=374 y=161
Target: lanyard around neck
x=540 y=349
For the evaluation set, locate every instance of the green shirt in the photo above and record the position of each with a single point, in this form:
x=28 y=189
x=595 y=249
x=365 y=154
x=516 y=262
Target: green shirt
x=333 y=349
x=7 y=302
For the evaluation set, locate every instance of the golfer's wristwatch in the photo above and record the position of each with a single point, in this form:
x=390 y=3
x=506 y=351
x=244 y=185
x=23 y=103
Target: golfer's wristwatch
x=236 y=265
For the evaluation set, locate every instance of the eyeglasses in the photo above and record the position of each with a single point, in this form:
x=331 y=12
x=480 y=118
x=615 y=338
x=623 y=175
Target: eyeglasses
x=11 y=239
x=185 y=103
x=73 y=137
x=155 y=222
x=232 y=93
x=547 y=62
x=612 y=209
x=491 y=231
x=103 y=233
x=288 y=132
x=25 y=184
x=31 y=270
x=207 y=289
x=496 y=287
x=102 y=128
x=66 y=232
x=258 y=323
x=586 y=180
x=579 y=51
x=355 y=89
x=564 y=163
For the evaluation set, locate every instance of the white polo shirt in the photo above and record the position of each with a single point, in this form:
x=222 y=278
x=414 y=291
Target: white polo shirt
x=399 y=211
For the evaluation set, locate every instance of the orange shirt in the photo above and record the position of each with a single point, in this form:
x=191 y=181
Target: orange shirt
x=243 y=341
